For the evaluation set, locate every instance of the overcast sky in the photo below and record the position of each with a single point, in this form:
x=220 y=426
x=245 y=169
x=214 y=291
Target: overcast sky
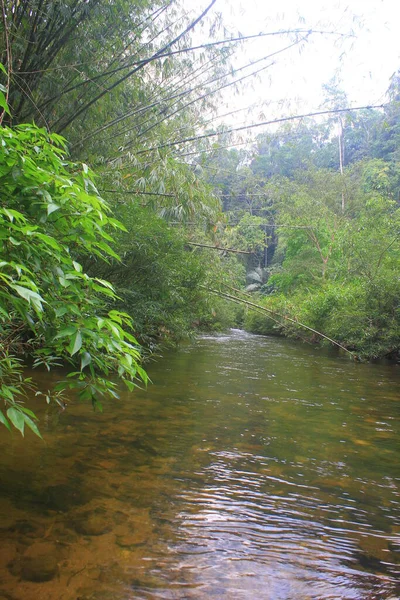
x=363 y=62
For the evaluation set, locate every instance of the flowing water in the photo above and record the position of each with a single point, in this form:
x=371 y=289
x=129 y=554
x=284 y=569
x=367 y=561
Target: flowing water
x=252 y=468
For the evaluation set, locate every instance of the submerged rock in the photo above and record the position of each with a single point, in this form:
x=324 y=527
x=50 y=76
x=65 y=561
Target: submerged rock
x=39 y=562
x=27 y=528
x=63 y=497
x=93 y=523
x=130 y=540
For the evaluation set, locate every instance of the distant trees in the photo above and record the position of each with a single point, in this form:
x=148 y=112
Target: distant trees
x=326 y=197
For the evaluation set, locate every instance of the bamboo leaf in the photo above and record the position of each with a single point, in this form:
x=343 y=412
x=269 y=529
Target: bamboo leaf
x=32 y=426
x=3 y=103
x=50 y=241
x=28 y=295
x=17 y=419
x=4 y=421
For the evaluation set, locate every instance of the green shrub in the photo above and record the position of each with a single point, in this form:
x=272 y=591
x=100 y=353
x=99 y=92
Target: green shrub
x=51 y=310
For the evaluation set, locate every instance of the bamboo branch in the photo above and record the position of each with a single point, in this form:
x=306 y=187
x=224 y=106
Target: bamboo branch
x=221 y=87
x=273 y=312
x=168 y=54
x=155 y=56
x=137 y=193
x=219 y=248
x=262 y=123
x=305 y=340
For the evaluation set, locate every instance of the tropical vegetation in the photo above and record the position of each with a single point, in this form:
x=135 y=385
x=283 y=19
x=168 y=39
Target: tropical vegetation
x=128 y=219
x=318 y=204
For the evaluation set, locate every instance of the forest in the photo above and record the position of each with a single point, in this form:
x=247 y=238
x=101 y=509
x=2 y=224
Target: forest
x=130 y=218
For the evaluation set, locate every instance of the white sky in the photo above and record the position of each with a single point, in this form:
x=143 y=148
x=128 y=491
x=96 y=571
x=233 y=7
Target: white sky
x=363 y=62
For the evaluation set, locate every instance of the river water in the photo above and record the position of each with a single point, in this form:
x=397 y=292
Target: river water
x=252 y=468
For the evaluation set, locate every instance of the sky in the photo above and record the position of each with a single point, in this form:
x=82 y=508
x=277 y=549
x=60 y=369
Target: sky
x=362 y=49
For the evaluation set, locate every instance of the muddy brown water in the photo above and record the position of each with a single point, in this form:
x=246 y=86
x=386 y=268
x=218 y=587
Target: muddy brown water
x=252 y=468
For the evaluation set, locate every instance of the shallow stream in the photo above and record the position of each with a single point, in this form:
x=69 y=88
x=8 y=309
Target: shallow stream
x=252 y=468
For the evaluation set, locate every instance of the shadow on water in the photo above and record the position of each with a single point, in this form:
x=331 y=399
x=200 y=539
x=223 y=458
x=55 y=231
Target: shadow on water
x=253 y=467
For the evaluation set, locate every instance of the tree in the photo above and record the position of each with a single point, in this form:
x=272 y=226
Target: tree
x=285 y=151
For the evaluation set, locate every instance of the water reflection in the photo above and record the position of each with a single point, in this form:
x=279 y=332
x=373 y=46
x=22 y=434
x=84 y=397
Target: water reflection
x=253 y=467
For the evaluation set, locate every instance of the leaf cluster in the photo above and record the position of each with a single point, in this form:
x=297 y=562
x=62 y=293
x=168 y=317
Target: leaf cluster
x=50 y=308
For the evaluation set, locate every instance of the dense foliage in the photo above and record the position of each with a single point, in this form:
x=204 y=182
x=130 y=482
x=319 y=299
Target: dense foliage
x=100 y=267
x=50 y=309
x=318 y=204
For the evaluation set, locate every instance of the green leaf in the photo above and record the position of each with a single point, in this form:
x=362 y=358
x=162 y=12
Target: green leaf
x=108 y=250
x=47 y=239
x=17 y=419
x=4 y=421
x=27 y=411
x=76 y=343
x=64 y=282
x=13 y=214
x=97 y=405
x=52 y=208
x=6 y=391
x=29 y=295
x=115 y=316
x=14 y=241
x=143 y=374
x=85 y=360
x=32 y=426
x=3 y=103
x=117 y=224
x=130 y=385
x=106 y=284
x=70 y=330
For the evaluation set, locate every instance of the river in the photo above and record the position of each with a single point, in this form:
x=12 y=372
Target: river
x=252 y=468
